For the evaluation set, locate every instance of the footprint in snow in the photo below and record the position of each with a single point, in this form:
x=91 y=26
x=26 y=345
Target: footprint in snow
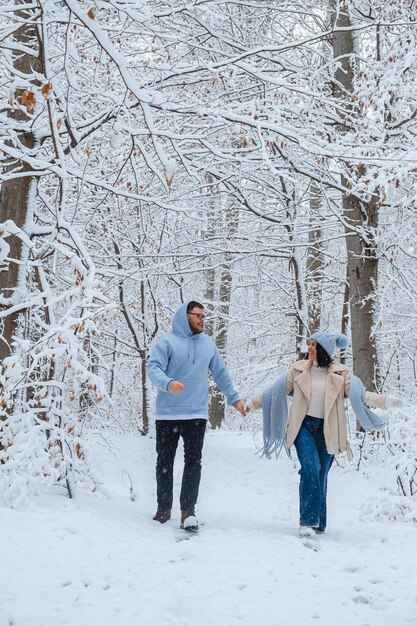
x=311 y=544
x=352 y=569
x=360 y=599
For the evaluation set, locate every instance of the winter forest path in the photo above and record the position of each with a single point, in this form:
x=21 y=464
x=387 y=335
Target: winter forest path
x=104 y=562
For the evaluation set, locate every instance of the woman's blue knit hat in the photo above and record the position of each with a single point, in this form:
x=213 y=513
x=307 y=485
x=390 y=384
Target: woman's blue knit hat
x=330 y=341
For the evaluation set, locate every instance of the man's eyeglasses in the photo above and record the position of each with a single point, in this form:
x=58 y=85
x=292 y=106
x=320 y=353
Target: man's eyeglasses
x=200 y=316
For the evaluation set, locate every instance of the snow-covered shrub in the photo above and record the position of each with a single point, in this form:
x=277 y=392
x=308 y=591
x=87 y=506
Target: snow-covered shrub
x=396 y=453
x=48 y=385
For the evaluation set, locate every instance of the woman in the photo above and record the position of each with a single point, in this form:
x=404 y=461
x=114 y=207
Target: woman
x=317 y=424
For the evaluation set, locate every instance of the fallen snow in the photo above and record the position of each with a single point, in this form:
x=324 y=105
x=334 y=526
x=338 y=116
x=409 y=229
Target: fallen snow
x=94 y=561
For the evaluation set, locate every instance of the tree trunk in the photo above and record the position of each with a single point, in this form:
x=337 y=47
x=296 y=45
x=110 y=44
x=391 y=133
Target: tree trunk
x=17 y=195
x=144 y=360
x=297 y=268
x=345 y=312
x=217 y=326
x=210 y=291
x=141 y=343
x=314 y=266
x=217 y=404
x=362 y=279
x=361 y=220
x=299 y=280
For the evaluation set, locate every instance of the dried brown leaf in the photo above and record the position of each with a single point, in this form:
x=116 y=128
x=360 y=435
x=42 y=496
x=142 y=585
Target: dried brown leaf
x=46 y=90
x=28 y=100
x=78 y=451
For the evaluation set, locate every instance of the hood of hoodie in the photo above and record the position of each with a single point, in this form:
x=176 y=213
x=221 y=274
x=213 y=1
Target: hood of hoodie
x=180 y=325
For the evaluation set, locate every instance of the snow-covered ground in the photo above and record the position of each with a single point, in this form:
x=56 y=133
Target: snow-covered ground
x=94 y=561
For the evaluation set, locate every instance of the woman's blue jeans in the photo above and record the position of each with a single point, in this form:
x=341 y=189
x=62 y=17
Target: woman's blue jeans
x=315 y=465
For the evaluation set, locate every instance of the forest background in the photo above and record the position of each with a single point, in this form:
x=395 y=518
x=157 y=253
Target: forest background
x=258 y=156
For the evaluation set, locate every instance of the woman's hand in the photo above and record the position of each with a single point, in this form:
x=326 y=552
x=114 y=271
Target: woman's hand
x=392 y=402
x=253 y=404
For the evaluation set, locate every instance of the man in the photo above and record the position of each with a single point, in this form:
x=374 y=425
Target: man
x=178 y=367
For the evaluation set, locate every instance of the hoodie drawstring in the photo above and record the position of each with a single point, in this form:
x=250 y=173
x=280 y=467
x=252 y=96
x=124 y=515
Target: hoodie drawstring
x=194 y=350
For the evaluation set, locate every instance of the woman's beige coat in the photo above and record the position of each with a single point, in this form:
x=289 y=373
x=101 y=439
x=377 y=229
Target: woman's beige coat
x=337 y=388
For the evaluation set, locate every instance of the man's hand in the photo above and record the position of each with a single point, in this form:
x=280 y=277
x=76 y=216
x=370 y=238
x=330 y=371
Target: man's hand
x=240 y=406
x=176 y=387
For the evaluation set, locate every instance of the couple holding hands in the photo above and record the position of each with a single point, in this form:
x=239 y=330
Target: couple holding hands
x=316 y=424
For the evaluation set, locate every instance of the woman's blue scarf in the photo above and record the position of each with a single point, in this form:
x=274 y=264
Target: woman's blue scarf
x=275 y=414
x=275 y=417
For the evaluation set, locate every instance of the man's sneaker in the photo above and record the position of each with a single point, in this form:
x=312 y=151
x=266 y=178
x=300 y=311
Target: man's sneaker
x=319 y=531
x=306 y=531
x=162 y=515
x=189 y=521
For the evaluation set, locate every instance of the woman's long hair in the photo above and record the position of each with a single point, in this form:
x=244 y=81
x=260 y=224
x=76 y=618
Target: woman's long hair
x=323 y=358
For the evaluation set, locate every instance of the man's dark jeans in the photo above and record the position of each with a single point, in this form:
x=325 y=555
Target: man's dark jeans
x=168 y=433
x=315 y=465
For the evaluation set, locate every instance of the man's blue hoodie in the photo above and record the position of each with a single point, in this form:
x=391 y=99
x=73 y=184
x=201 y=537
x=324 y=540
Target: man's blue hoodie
x=180 y=355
